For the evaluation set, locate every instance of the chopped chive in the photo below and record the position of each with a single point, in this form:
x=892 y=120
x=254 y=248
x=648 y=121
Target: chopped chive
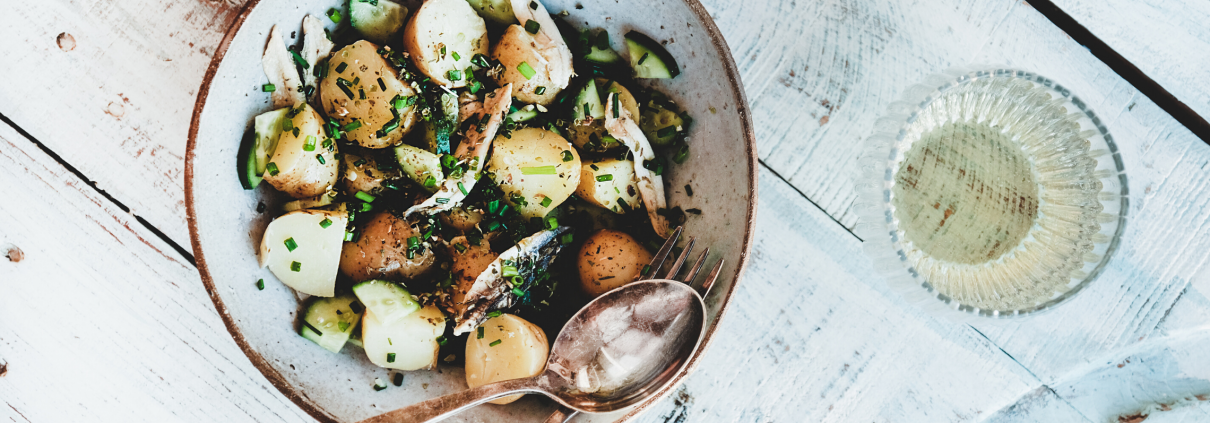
x=334 y=15
x=455 y=55
x=320 y=157
x=461 y=248
x=533 y=5
x=540 y=90
x=681 y=154
x=389 y=342
x=552 y=223
x=325 y=223
x=295 y=131
x=567 y=156
x=364 y=196
x=260 y=284
x=391 y=125
x=441 y=340
x=496 y=313
x=390 y=357
x=538 y=170
x=350 y=236
x=268 y=88
x=454 y=75
x=361 y=93
x=546 y=202
x=593 y=166
x=666 y=132
x=495 y=343
x=644 y=58
x=307 y=325
x=646 y=269
x=382 y=85
x=290 y=244
x=442 y=200
x=298 y=60
x=480 y=335
x=351 y=126
x=509 y=271
x=479 y=60
x=345 y=86
x=604 y=178
x=379 y=384
x=341 y=67
x=431 y=182
x=518 y=292
x=309 y=144
x=532 y=26
x=461 y=188
x=287 y=125
x=443 y=51
x=344 y=326
x=413 y=242
x=296 y=266
x=328 y=144
x=271 y=168
x=616 y=110
x=526 y=71
x=566 y=238
x=398 y=379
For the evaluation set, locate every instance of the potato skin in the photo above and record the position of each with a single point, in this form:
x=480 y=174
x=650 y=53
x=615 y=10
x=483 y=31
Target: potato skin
x=513 y=48
x=452 y=24
x=467 y=265
x=532 y=148
x=522 y=351
x=366 y=67
x=381 y=251
x=582 y=133
x=609 y=259
x=362 y=174
x=300 y=173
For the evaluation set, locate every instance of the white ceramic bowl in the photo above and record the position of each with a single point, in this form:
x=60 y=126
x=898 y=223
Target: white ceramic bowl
x=226 y=227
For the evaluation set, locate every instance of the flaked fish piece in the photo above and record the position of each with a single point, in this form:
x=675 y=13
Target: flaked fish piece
x=279 y=67
x=492 y=291
x=472 y=150
x=316 y=47
x=550 y=43
x=651 y=186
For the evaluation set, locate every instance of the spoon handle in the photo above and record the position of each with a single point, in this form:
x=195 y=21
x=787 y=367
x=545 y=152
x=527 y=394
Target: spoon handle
x=448 y=405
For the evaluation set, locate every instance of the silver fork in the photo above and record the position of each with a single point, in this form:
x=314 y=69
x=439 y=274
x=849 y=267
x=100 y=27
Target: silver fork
x=653 y=271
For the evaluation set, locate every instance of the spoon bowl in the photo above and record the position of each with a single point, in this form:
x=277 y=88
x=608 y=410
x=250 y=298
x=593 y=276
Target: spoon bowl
x=620 y=349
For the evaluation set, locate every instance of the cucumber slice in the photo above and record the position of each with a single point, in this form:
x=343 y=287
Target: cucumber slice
x=329 y=322
x=256 y=152
x=523 y=114
x=649 y=59
x=660 y=125
x=377 y=21
x=387 y=300
x=321 y=200
x=498 y=11
x=588 y=96
x=419 y=165
x=601 y=53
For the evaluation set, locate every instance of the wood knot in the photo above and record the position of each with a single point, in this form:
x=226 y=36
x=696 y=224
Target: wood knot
x=14 y=254
x=66 y=41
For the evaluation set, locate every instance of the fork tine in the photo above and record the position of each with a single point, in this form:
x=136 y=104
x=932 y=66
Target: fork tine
x=680 y=261
x=697 y=266
x=661 y=255
x=713 y=276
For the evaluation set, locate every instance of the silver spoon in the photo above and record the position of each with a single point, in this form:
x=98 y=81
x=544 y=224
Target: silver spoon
x=617 y=351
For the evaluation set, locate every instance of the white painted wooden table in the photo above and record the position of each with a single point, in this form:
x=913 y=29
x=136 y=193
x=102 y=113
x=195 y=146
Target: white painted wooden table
x=103 y=319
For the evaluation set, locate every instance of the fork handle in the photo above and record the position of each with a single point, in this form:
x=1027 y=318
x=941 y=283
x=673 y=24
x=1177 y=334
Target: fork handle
x=561 y=415
x=448 y=405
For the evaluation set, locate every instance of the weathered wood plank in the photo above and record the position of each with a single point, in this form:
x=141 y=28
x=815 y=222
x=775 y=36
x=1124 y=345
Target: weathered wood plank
x=101 y=320
x=1166 y=39
x=814 y=336
x=113 y=96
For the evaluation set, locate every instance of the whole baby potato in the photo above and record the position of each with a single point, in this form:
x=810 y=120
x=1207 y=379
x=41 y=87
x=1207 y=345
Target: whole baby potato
x=381 y=252
x=442 y=37
x=609 y=259
x=293 y=169
x=518 y=53
x=359 y=87
x=530 y=167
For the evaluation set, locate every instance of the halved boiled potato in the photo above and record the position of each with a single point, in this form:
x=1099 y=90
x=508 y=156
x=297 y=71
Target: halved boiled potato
x=442 y=37
x=382 y=250
x=510 y=348
x=302 y=248
x=524 y=67
x=360 y=87
x=590 y=134
x=611 y=184
x=409 y=344
x=533 y=166
x=301 y=166
x=364 y=174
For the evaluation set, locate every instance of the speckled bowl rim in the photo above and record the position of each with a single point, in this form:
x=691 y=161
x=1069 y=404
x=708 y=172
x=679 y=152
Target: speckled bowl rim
x=294 y=394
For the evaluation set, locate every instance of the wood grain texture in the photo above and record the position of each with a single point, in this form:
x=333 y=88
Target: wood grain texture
x=1167 y=39
x=101 y=320
x=117 y=104
x=814 y=336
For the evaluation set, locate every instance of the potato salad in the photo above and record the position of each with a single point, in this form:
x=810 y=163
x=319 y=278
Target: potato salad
x=459 y=177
